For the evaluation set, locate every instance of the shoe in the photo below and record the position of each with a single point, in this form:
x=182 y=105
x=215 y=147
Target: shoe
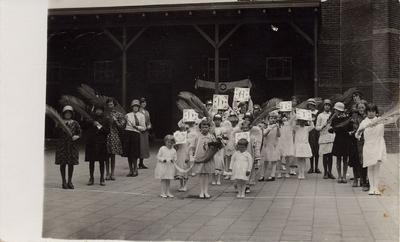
x=213 y=183
x=141 y=166
x=112 y=178
x=261 y=179
x=303 y=178
x=270 y=179
x=218 y=183
x=247 y=191
x=279 y=176
x=299 y=177
x=331 y=176
x=206 y=195
x=130 y=174
x=326 y=176
x=91 y=182
x=70 y=186
x=283 y=167
x=102 y=182
x=339 y=180
x=355 y=183
x=287 y=175
x=135 y=173
x=238 y=196
x=170 y=195
x=226 y=177
x=371 y=192
x=352 y=178
x=107 y=177
x=201 y=196
x=193 y=174
x=64 y=186
x=242 y=196
x=365 y=188
x=293 y=173
x=163 y=196
x=344 y=180
x=310 y=171
x=317 y=171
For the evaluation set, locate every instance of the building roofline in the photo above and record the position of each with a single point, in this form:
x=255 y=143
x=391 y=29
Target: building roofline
x=186 y=7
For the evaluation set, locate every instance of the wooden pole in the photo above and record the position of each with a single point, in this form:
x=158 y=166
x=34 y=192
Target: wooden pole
x=315 y=55
x=124 y=73
x=216 y=62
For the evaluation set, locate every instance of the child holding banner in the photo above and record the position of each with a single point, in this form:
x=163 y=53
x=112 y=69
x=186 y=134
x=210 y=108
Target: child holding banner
x=302 y=149
x=165 y=169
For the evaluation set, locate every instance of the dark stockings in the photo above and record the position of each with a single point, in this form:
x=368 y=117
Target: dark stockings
x=339 y=166
x=91 y=169
x=111 y=158
x=132 y=164
x=141 y=161
x=360 y=172
x=327 y=162
x=314 y=160
x=70 y=172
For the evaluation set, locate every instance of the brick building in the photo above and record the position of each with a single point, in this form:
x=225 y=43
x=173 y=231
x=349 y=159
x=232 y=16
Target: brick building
x=285 y=48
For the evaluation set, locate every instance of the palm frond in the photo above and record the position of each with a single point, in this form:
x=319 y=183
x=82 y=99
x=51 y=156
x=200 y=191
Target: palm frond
x=266 y=108
x=187 y=97
x=77 y=104
x=90 y=95
x=182 y=105
x=391 y=115
x=53 y=114
x=347 y=96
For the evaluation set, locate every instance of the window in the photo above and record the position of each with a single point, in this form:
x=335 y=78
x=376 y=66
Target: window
x=223 y=69
x=159 y=71
x=279 y=68
x=103 y=71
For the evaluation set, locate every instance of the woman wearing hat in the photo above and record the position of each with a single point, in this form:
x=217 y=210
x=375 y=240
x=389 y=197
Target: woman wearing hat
x=313 y=138
x=67 y=152
x=144 y=136
x=326 y=139
x=135 y=124
x=96 y=146
x=341 y=145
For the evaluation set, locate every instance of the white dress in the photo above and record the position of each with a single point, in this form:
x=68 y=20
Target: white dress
x=240 y=164
x=286 y=145
x=302 y=148
x=374 y=143
x=219 y=156
x=270 y=150
x=165 y=170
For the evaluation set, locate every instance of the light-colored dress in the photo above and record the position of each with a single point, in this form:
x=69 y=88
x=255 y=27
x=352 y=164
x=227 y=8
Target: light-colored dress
x=240 y=164
x=219 y=156
x=182 y=152
x=254 y=148
x=165 y=170
x=199 y=148
x=270 y=150
x=325 y=138
x=286 y=145
x=374 y=143
x=302 y=148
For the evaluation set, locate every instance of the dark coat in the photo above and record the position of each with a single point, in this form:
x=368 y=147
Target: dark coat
x=96 y=145
x=341 y=144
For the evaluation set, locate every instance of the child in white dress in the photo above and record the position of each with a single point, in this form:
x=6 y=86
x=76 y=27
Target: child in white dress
x=302 y=149
x=241 y=165
x=219 y=132
x=374 y=151
x=270 y=149
x=165 y=168
x=286 y=145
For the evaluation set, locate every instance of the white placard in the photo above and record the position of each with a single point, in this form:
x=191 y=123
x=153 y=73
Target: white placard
x=285 y=106
x=242 y=135
x=220 y=101
x=242 y=94
x=189 y=115
x=303 y=114
x=180 y=137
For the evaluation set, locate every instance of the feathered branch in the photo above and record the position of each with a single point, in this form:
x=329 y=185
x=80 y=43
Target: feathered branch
x=182 y=105
x=78 y=105
x=195 y=103
x=391 y=115
x=53 y=114
x=266 y=108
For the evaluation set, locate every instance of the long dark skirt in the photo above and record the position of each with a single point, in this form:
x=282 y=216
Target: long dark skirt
x=96 y=152
x=131 y=144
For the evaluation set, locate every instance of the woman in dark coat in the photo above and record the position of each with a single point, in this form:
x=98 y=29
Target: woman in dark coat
x=96 y=146
x=313 y=138
x=67 y=152
x=341 y=125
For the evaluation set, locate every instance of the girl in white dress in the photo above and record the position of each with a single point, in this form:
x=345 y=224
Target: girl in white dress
x=270 y=149
x=165 y=168
x=374 y=151
x=241 y=165
x=302 y=149
x=286 y=145
x=219 y=132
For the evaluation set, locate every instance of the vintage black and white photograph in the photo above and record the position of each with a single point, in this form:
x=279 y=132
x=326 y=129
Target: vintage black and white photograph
x=221 y=120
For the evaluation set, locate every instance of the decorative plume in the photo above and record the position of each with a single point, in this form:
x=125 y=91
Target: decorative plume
x=266 y=108
x=53 y=114
x=391 y=115
x=92 y=97
x=182 y=105
x=78 y=105
x=195 y=103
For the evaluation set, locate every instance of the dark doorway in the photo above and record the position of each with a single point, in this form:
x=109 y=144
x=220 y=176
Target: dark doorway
x=160 y=108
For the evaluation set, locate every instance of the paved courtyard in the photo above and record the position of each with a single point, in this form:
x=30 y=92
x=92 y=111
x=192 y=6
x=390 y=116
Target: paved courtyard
x=286 y=209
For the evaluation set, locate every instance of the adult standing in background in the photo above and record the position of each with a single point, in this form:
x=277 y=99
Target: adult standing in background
x=135 y=124
x=144 y=136
x=114 y=145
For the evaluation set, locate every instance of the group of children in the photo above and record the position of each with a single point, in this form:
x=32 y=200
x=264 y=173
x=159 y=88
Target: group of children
x=280 y=139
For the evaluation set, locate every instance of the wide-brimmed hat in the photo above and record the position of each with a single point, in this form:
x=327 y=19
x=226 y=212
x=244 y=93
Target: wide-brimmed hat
x=339 y=106
x=311 y=101
x=67 y=108
x=358 y=92
x=135 y=102
x=142 y=100
x=327 y=101
x=217 y=117
x=209 y=102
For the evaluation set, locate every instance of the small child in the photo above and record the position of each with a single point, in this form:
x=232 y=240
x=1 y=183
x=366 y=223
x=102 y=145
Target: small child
x=302 y=149
x=374 y=152
x=165 y=169
x=241 y=165
x=270 y=149
x=286 y=145
x=199 y=150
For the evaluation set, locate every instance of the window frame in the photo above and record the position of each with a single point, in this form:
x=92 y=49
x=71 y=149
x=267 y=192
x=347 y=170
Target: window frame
x=267 y=68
